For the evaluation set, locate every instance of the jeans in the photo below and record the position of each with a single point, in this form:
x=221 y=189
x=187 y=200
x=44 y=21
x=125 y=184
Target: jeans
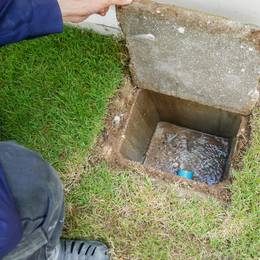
x=38 y=194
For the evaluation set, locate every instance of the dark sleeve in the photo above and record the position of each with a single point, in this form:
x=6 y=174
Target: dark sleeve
x=10 y=224
x=24 y=19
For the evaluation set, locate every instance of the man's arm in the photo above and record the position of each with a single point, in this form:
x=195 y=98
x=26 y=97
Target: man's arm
x=23 y=19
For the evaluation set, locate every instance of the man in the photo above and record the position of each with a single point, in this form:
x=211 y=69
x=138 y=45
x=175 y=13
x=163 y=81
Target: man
x=31 y=197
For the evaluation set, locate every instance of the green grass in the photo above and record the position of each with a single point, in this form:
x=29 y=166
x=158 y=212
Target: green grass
x=54 y=93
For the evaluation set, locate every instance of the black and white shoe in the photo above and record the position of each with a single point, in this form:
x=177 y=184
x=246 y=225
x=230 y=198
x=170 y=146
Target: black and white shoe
x=80 y=250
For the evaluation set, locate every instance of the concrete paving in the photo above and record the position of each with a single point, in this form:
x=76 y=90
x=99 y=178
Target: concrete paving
x=192 y=55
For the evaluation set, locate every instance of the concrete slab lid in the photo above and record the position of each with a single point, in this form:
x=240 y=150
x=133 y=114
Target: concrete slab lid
x=193 y=55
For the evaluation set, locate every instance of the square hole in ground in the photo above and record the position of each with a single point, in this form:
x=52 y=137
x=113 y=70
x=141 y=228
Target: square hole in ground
x=169 y=134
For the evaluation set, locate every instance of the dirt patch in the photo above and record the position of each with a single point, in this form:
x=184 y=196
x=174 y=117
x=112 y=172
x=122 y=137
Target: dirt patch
x=254 y=36
x=243 y=142
x=119 y=108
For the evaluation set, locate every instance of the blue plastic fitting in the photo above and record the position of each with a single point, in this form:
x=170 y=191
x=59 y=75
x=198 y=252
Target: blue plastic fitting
x=185 y=174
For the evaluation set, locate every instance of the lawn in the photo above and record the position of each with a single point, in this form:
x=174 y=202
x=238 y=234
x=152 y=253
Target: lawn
x=54 y=95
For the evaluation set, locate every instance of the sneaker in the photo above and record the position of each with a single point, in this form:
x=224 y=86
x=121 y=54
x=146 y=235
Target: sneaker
x=80 y=250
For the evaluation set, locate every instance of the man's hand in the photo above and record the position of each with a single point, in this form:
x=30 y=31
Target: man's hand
x=76 y=11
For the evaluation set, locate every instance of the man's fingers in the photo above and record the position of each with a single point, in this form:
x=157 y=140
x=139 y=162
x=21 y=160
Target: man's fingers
x=78 y=10
x=103 y=12
x=122 y=2
x=75 y=19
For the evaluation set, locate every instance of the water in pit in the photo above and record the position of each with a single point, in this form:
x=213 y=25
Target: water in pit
x=173 y=147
